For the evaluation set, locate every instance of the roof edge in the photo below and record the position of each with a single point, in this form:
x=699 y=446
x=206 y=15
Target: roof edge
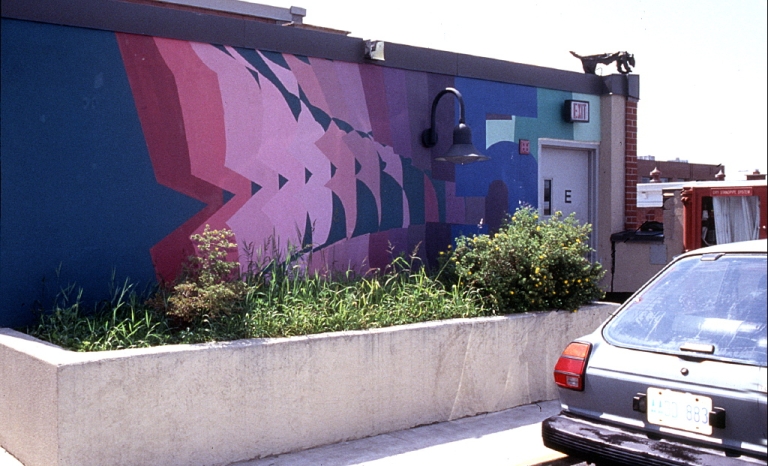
x=201 y=24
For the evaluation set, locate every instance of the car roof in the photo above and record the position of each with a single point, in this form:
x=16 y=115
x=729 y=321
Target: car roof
x=756 y=246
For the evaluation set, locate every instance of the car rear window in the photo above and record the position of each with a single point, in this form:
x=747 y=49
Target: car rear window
x=710 y=306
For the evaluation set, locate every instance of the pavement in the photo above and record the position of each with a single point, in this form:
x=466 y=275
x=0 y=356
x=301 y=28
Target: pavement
x=510 y=438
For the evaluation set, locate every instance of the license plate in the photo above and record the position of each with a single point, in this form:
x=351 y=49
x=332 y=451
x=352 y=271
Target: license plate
x=679 y=410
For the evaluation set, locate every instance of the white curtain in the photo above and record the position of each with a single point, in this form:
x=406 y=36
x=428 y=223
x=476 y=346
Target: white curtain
x=736 y=218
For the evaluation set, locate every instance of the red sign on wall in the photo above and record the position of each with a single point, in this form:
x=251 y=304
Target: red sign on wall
x=525 y=147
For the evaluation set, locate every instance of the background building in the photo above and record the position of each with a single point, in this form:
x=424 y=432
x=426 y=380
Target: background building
x=671 y=171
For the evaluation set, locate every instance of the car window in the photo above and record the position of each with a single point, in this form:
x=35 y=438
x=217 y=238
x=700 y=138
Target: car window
x=715 y=306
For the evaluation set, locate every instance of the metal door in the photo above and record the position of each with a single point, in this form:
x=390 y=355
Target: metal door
x=564 y=183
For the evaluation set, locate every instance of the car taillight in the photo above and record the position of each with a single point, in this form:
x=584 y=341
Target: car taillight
x=570 y=368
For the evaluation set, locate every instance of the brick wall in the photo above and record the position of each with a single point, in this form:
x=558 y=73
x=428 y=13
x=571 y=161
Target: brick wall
x=630 y=167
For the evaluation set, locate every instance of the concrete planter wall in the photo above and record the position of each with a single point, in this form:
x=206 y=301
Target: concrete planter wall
x=214 y=404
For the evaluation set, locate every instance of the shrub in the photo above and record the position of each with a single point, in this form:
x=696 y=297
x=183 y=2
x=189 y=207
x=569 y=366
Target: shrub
x=211 y=286
x=529 y=264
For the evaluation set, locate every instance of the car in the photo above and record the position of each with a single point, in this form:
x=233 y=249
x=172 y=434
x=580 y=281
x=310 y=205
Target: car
x=677 y=375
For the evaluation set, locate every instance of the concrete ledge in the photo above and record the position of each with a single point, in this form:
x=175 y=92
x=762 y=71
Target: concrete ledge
x=215 y=404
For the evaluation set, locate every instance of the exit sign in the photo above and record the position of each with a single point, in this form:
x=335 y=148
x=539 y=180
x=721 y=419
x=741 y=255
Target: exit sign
x=576 y=111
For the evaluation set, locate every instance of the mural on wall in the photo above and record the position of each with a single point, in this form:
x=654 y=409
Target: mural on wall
x=316 y=152
x=134 y=143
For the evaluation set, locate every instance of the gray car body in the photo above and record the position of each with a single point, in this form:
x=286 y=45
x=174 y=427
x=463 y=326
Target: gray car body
x=616 y=375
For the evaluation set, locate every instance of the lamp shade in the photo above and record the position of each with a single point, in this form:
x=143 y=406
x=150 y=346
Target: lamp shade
x=462 y=151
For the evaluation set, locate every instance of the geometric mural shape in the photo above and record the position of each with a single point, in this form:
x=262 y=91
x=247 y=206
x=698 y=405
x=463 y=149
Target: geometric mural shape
x=227 y=195
x=343 y=125
x=307 y=240
x=254 y=188
x=498 y=130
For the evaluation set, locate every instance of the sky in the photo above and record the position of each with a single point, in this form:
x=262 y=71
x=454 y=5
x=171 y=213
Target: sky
x=702 y=63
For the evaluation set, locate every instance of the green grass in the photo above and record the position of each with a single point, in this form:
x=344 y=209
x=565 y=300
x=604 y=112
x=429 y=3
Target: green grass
x=288 y=306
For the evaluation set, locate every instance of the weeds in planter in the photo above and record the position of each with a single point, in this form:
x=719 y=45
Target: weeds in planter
x=121 y=322
x=527 y=265
x=402 y=294
x=278 y=299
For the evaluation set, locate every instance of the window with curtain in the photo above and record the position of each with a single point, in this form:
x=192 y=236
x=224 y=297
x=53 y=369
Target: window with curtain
x=736 y=218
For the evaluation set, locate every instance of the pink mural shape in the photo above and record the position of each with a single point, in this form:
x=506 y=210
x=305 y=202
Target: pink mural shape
x=354 y=95
x=205 y=124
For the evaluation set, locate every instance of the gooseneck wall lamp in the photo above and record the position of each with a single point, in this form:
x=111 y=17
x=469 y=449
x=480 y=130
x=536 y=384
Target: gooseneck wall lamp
x=462 y=151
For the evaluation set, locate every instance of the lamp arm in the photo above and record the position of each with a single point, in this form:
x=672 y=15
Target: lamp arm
x=429 y=137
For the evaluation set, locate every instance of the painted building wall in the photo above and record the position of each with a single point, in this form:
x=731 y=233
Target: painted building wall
x=117 y=147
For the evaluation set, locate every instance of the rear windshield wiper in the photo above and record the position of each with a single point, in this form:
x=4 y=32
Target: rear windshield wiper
x=698 y=348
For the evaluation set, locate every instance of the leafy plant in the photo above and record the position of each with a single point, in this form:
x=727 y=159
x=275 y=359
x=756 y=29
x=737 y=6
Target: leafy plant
x=211 y=286
x=529 y=264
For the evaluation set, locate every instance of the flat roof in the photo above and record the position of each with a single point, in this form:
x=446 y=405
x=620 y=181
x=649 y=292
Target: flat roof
x=203 y=24
x=292 y=14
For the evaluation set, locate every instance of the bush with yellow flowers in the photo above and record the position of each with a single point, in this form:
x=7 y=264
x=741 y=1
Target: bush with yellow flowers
x=529 y=264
